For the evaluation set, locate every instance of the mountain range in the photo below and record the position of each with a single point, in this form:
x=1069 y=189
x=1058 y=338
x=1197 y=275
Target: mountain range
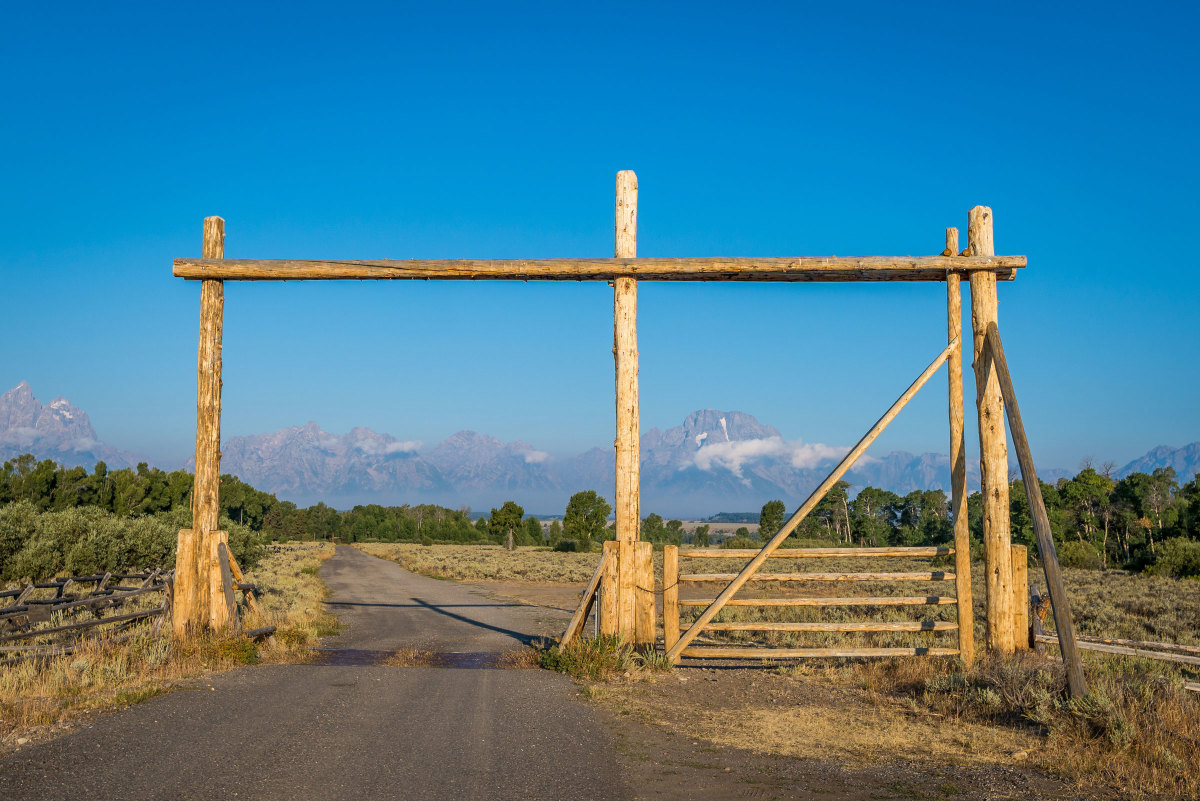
x=713 y=461
x=56 y=430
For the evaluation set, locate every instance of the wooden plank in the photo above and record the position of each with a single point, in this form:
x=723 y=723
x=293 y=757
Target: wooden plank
x=958 y=460
x=102 y=602
x=670 y=595
x=1162 y=656
x=907 y=625
x=100 y=621
x=1020 y=565
x=1041 y=521
x=225 y=573
x=1164 y=646
x=644 y=624
x=818 y=553
x=843 y=466
x=791 y=269
x=731 y=652
x=579 y=619
x=609 y=595
x=248 y=590
x=993 y=445
x=934 y=575
x=850 y=600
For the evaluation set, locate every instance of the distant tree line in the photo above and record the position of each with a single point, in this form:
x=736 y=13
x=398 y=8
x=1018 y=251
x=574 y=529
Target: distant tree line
x=55 y=518
x=1141 y=521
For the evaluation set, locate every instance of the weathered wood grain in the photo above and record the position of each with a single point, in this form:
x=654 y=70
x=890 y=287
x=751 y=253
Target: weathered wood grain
x=936 y=575
x=907 y=625
x=787 y=269
x=670 y=595
x=850 y=600
x=993 y=444
x=723 y=652
x=958 y=460
x=819 y=553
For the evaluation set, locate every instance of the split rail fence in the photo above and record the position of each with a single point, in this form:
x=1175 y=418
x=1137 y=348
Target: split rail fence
x=32 y=626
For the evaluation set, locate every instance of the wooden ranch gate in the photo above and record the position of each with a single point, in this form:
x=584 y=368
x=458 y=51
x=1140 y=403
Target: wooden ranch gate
x=626 y=573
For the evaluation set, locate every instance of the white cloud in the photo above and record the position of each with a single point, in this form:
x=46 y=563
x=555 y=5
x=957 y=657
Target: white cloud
x=733 y=456
x=377 y=448
x=536 y=457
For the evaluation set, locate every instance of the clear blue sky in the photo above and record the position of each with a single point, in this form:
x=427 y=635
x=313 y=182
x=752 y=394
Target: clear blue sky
x=356 y=131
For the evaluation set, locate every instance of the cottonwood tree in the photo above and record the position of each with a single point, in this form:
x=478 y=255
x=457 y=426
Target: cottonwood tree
x=504 y=522
x=585 y=517
x=770 y=519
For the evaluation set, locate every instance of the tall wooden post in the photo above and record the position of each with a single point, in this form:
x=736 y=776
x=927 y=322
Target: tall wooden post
x=625 y=353
x=993 y=444
x=958 y=461
x=199 y=601
x=634 y=588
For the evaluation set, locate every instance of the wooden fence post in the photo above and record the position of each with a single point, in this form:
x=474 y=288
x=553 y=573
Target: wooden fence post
x=1020 y=568
x=609 y=595
x=634 y=587
x=670 y=596
x=196 y=591
x=993 y=444
x=958 y=461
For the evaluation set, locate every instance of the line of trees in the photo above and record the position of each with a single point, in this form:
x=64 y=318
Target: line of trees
x=1144 y=520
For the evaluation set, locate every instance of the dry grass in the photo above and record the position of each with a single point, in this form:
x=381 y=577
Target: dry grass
x=412 y=657
x=480 y=562
x=38 y=697
x=292 y=600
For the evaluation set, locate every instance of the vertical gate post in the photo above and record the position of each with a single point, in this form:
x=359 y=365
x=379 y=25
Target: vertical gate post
x=958 y=461
x=635 y=599
x=1020 y=568
x=670 y=596
x=199 y=594
x=993 y=443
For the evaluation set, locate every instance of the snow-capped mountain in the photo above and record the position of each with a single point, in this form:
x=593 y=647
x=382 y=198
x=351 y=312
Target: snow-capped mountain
x=56 y=430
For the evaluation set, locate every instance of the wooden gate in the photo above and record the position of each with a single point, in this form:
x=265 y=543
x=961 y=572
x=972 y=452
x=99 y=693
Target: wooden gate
x=679 y=642
x=780 y=614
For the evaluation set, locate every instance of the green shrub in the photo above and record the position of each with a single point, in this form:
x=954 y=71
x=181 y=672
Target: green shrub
x=566 y=546
x=1178 y=557
x=87 y=540
x=1079 y=554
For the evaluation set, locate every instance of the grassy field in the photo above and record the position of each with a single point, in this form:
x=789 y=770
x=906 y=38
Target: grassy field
x=38 y=699
x=1137 y=734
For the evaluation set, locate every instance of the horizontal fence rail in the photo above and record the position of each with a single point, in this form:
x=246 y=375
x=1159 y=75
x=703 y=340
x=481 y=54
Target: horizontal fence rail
x=817 y=553
x=78 y=617
x=886 y=600
x=816 y=268
x=674 y=628
x=937 y=575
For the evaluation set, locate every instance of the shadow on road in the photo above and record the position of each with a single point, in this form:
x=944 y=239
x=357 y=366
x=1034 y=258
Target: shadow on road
x=521 y=637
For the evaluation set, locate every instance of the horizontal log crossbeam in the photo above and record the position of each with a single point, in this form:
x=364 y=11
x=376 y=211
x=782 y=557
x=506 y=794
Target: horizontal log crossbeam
x=817 y=268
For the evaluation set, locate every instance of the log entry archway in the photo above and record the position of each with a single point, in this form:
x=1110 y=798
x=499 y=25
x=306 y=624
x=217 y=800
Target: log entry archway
x=202 y=602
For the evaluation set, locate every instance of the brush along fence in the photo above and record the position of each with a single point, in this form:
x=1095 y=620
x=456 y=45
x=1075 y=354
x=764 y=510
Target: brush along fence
x=57 y=617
